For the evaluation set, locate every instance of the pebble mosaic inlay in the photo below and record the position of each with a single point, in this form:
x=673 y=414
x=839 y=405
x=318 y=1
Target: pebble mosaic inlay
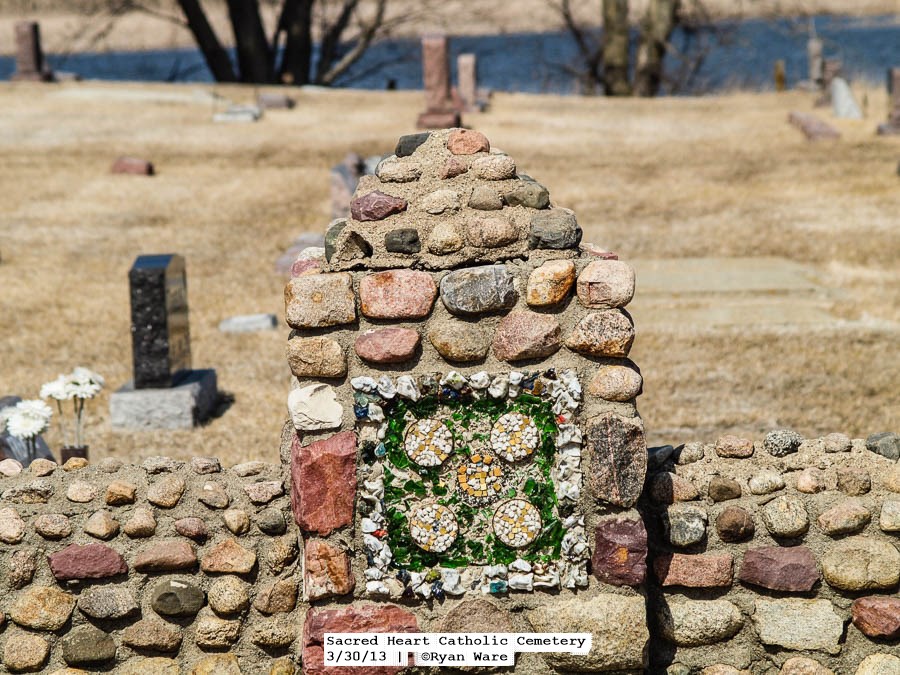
x=428 y=442
x=514 y=437
x=433 y=527
x=517 y=523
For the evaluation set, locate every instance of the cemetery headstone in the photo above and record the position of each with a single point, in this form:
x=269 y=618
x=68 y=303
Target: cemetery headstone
x=165 y=393
x=29 y=55
x=816 y=62
x=831 y=68
x=843 y=104
x=439 y=110
x=238 y=113
x=780 y=76
x=812 y=127
x=274 y=101
x=132 y=165
x=248 y=323
x=892 y=126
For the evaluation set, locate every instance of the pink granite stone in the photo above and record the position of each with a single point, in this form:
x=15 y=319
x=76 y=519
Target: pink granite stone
x=397 y=294
x=713 y=570
x=526 y=335
x=91 y=561
x=620 y=552
x=323 y=482
x=387 y=345
x=376 y=206
x=780 y=568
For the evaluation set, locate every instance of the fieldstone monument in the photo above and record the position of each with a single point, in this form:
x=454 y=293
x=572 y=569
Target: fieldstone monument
x=892 y=126
x=440 y=111
x=29 y=55
x=165 y=393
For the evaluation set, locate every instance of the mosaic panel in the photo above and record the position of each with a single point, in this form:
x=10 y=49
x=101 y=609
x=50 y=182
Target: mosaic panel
x=471 y=484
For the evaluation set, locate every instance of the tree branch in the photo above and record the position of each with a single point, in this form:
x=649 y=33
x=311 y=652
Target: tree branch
x=369 y=32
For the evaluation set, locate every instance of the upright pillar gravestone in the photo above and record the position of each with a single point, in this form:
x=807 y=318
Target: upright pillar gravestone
x=29 y=55
x=892 y=126
x=467 y=79
x=439 y=111
x=165 y=393
x=816 y=63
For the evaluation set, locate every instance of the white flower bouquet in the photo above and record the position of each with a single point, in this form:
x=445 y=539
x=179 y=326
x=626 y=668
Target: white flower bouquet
x=26 y=421
x=78 y=386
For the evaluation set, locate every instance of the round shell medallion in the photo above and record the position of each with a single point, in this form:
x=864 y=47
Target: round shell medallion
x=480 y=480
x=517 y=523
x=428 y=442
x=514 y=437
x=433 y=527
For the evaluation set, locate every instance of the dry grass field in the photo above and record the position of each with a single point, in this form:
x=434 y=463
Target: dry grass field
x=674 y=178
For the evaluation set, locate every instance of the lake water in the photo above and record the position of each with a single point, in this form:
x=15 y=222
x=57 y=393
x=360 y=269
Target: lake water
x=535 y=62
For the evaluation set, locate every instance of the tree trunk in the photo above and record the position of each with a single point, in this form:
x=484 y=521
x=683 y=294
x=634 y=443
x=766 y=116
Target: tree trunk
x=296 y=23
x=656 y=28
x=254 y=59
x=213 y=53
x=615 y=48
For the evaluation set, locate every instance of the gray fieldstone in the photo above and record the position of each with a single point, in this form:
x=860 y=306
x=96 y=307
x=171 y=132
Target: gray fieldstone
x=213 y=495
x=229 y=595
x=12 y=527
x=618 y=625
x=211 y=631
x=608 y=332
x=248 y=323
x=206 y=465
x=494 y=167
x=554 y=229
x=271 y=522
x=153 y=634
x=160 y=464
x=445 y=238
x=166 y=492
x=490 y=231
x=529 y=193
x=617 y=382
x=485 y=198
x=273 y=633
x=408 y=144
x=685 y=524
x=723 y=489
x=403 y=240
x=52 y=526
x=264 y=491
x=320 y=301
x=617 y=453
x=837 y=443
x=459 y=341
x=861 y=563
x=766 y=482
x=440 y=201
x=692 y=623
x=853 y=480
x=141 y=524
x=86 y=645
x=394 y=170
x=889 y=521
x=690 y=453
x=107 y=602
x=81 y=492
x=189 y=401
x=782 y=442
x=335 y=228
x=885 y=443
x=799 y=624
x=101 y=525
x=237 y=521
x=478 y=290
x=786 y=516
x=21 y=568
x=173 y=597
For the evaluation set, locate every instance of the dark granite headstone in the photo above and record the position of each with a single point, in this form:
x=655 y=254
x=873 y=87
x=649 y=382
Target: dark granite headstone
x=29 y=55
x=160 y=338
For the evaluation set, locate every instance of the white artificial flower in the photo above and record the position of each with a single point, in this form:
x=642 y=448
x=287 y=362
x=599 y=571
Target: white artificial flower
x=57 y=389
x=83 y=375
x=29 y=418
x=84 y=389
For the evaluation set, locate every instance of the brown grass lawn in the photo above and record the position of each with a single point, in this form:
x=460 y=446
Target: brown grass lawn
x=717 y=176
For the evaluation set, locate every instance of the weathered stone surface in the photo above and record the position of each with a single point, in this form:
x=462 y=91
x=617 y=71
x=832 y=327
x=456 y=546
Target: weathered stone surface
x=618 y=626
x=141 y=524
x=387 y=345
x=554 y=229
x=735 y=524
x=722 y=489
x=81 y=492
x=107 y=602
x=217 y=664
x=620 y=382
x=12 y=527
x=692 y=623
x=10 y=467
x=229 y=595
x=271 y=521
x=485 y=198
x=685 y=524
x=376 y=205
x=24 y=652
x=879 y=664
x=36 y=492
x=603 y=333
x=21 y=568
x=320 y=301
x=152 y=634
x=528 y=193
x=174 y=597
x=42 y=608
x=41 y=466
x=885 y=443
x=668 y=488
x=166 y=492
x=801 y=665
x=811 y=480
x=397 y=294
x=326 y=571
x=467 y=142
x=237 y=521
x=459 y=341
x=206 y=465
x=494 y=167
x=861 y=563
x=440 y=201
x=889 y=520
x=274 y=633
x=786 y=516
x=618 y=455
x=192 y=528
x=277 y=597
x=877 y=616
x=216 y=632
x=782 y=442
x=252 y=468
x=732 y=446
x=280 y=552
x=262 y=492
x=606 y=284
x=394 y=170
x=323 y=482
x=445 y=238
x=101 y=525
x=91 y=561
x=52 y=526
x=167 y=555
x=87 y=645
x=120 y=492
x=780 y=568
x=550 y=283
x=75 y=464
x=407 y=144
x=853 y=480
x=526 y=335
x=352 y=619
x=477 y=615
x=711 y=570
x=315 y=407
x=765 y=482
x=454 y=167
x=403 y=240
x=799 y=624
x=490 y=231
x=847 y=517
x=213 y=495
x=155 y=665
x=620 y=552
x=316 y=357
x=478 y=290
x=228 y=557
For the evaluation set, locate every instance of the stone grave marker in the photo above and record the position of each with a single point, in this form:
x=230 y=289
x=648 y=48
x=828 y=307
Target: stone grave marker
x=816 y=62
x=892 y=126
x=812 y=127
x=467 y=79
x=165 y=393
x=29 y=55
x=843 y=104
x=133 y=165
x=439 y=110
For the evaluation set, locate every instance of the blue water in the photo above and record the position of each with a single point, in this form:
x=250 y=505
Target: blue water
x=742 y=56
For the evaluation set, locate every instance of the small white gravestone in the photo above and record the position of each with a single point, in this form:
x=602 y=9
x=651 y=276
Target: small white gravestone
x=842 y=102
x=238 y=113
x=249 y=323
